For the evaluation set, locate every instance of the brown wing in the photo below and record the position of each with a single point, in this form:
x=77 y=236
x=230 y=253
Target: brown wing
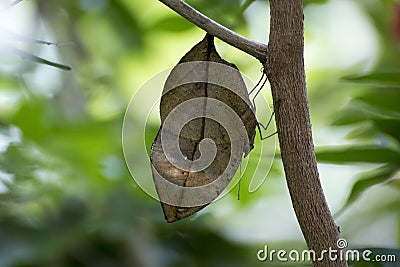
x=234 y=94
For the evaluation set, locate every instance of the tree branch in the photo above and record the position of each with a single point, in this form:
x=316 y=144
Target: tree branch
x=288 y=85
x=253 y=48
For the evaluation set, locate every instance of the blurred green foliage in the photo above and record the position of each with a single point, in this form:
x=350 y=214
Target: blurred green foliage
x=374 y=115
x=69 y=200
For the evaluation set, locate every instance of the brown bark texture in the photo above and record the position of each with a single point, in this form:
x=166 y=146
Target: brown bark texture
x=288 y=84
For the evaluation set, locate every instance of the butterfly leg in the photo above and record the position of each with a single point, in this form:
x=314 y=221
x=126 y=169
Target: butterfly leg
x=260 y=125
x=262 y=81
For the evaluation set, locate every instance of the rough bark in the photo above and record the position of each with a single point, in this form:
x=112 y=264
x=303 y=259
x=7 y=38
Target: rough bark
x=287 y=78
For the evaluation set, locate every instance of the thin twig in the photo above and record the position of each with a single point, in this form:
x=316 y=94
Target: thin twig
x=253 y=48
x=28 y=56
x=7 y=6
x=20 y=38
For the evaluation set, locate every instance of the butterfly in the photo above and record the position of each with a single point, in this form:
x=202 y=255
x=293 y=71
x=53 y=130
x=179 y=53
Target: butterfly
x=207 y=124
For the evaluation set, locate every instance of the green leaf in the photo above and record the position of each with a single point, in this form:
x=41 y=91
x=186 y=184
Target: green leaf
x=353 y=113
x=382 y=98
x=356 y=111
x=352 y=154
x=376 y=130
x=383 y=78
x=389 y=126
x=371 y=119
x=366 y=181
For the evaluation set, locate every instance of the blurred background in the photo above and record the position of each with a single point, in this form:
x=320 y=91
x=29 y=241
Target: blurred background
x=66 y=195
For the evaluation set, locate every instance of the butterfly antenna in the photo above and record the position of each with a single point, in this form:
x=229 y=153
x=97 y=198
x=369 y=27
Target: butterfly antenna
x=240 y=179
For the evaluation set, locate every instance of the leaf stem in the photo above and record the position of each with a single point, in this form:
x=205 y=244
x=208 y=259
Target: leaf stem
x=253 y=48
